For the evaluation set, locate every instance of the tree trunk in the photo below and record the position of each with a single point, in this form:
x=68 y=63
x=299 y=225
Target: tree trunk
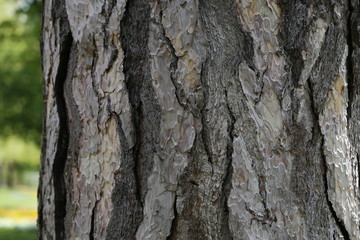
x=200 y=119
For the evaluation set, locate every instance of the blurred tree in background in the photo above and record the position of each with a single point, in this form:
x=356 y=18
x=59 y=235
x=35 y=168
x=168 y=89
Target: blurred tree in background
x=20 y=89
x=20 y=72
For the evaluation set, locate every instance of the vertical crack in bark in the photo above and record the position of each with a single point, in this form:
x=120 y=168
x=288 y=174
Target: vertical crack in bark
x=74 y=126
x=62 y=145
x=127 y=212
x=358 y=166
x=134 y=32
x=95 y=57
x=205 y=139
x=137 y=161
x=339 y=222
x=107 y=13
x=204 y=131
x=136 y=110
x=226 y=185
x=173 y=67
x=92 y=227
x=227 y=50
x=114 y=55
x=174 y=222
x=353 y=42
x=349 y=61
x=203 y=111
x=136 y=154
x=65 y=41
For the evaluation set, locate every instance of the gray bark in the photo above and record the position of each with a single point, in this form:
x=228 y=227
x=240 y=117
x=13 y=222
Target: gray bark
x=200 y=119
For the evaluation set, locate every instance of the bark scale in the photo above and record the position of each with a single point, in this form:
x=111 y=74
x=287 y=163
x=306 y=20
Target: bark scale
x=200 y=119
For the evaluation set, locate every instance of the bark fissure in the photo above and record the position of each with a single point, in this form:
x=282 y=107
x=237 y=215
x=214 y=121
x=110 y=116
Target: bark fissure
x=137 y=161
x=339 y=222
x=62 y=145
x=179 y=92
x=349 y=60
x=145 y=109
x=204 y=130
x=74 y=126
x=226 y=185
x=107 y=13
x=203 y=111
x=353 y=42
x=95 y=57
x=173 y=69
x=114 y=55
x=92 y=227
x=137 y=114
x=174 y=222
x=226 y=52
x=358 y=167
x=65 y=42
x=173 y=77
x=127 y=211
x=136 y=154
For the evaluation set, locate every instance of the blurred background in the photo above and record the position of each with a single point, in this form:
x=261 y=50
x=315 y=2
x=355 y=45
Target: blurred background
x=20 y=117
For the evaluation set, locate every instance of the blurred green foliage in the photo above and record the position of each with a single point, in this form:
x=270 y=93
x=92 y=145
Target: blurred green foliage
x=20 y=89
x=20 y=69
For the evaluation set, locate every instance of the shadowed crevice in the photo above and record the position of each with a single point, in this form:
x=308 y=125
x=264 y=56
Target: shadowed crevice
x=339 y=222
x=227 y=49
x=92 y=226
x=174 y=223
x=353 y=77
x=127 y=210
x=64 y=43
x=62 y=147
x=226 y=185
x=137 y=161
x=145 y=109
x=351 y=23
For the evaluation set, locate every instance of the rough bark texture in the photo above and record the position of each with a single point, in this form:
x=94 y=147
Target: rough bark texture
x=200 y=119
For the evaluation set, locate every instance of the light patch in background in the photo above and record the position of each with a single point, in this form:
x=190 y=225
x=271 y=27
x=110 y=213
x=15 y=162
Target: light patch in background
x=19 y=155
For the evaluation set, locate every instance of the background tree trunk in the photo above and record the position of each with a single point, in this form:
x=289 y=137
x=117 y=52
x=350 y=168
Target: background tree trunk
x=200 y=119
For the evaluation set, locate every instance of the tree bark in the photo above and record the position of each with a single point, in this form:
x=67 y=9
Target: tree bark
x=200 y=119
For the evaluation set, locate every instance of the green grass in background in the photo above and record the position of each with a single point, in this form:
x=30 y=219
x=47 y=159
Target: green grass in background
x=17 y=234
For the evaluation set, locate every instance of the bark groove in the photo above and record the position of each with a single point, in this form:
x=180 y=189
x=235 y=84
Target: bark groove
x=65 y=42
x=134 y=171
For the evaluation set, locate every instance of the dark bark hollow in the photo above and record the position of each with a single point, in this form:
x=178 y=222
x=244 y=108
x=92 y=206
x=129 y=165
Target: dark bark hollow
x=200 y=119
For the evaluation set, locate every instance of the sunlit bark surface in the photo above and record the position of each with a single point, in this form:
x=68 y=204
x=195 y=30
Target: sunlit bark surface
x=200 y=119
